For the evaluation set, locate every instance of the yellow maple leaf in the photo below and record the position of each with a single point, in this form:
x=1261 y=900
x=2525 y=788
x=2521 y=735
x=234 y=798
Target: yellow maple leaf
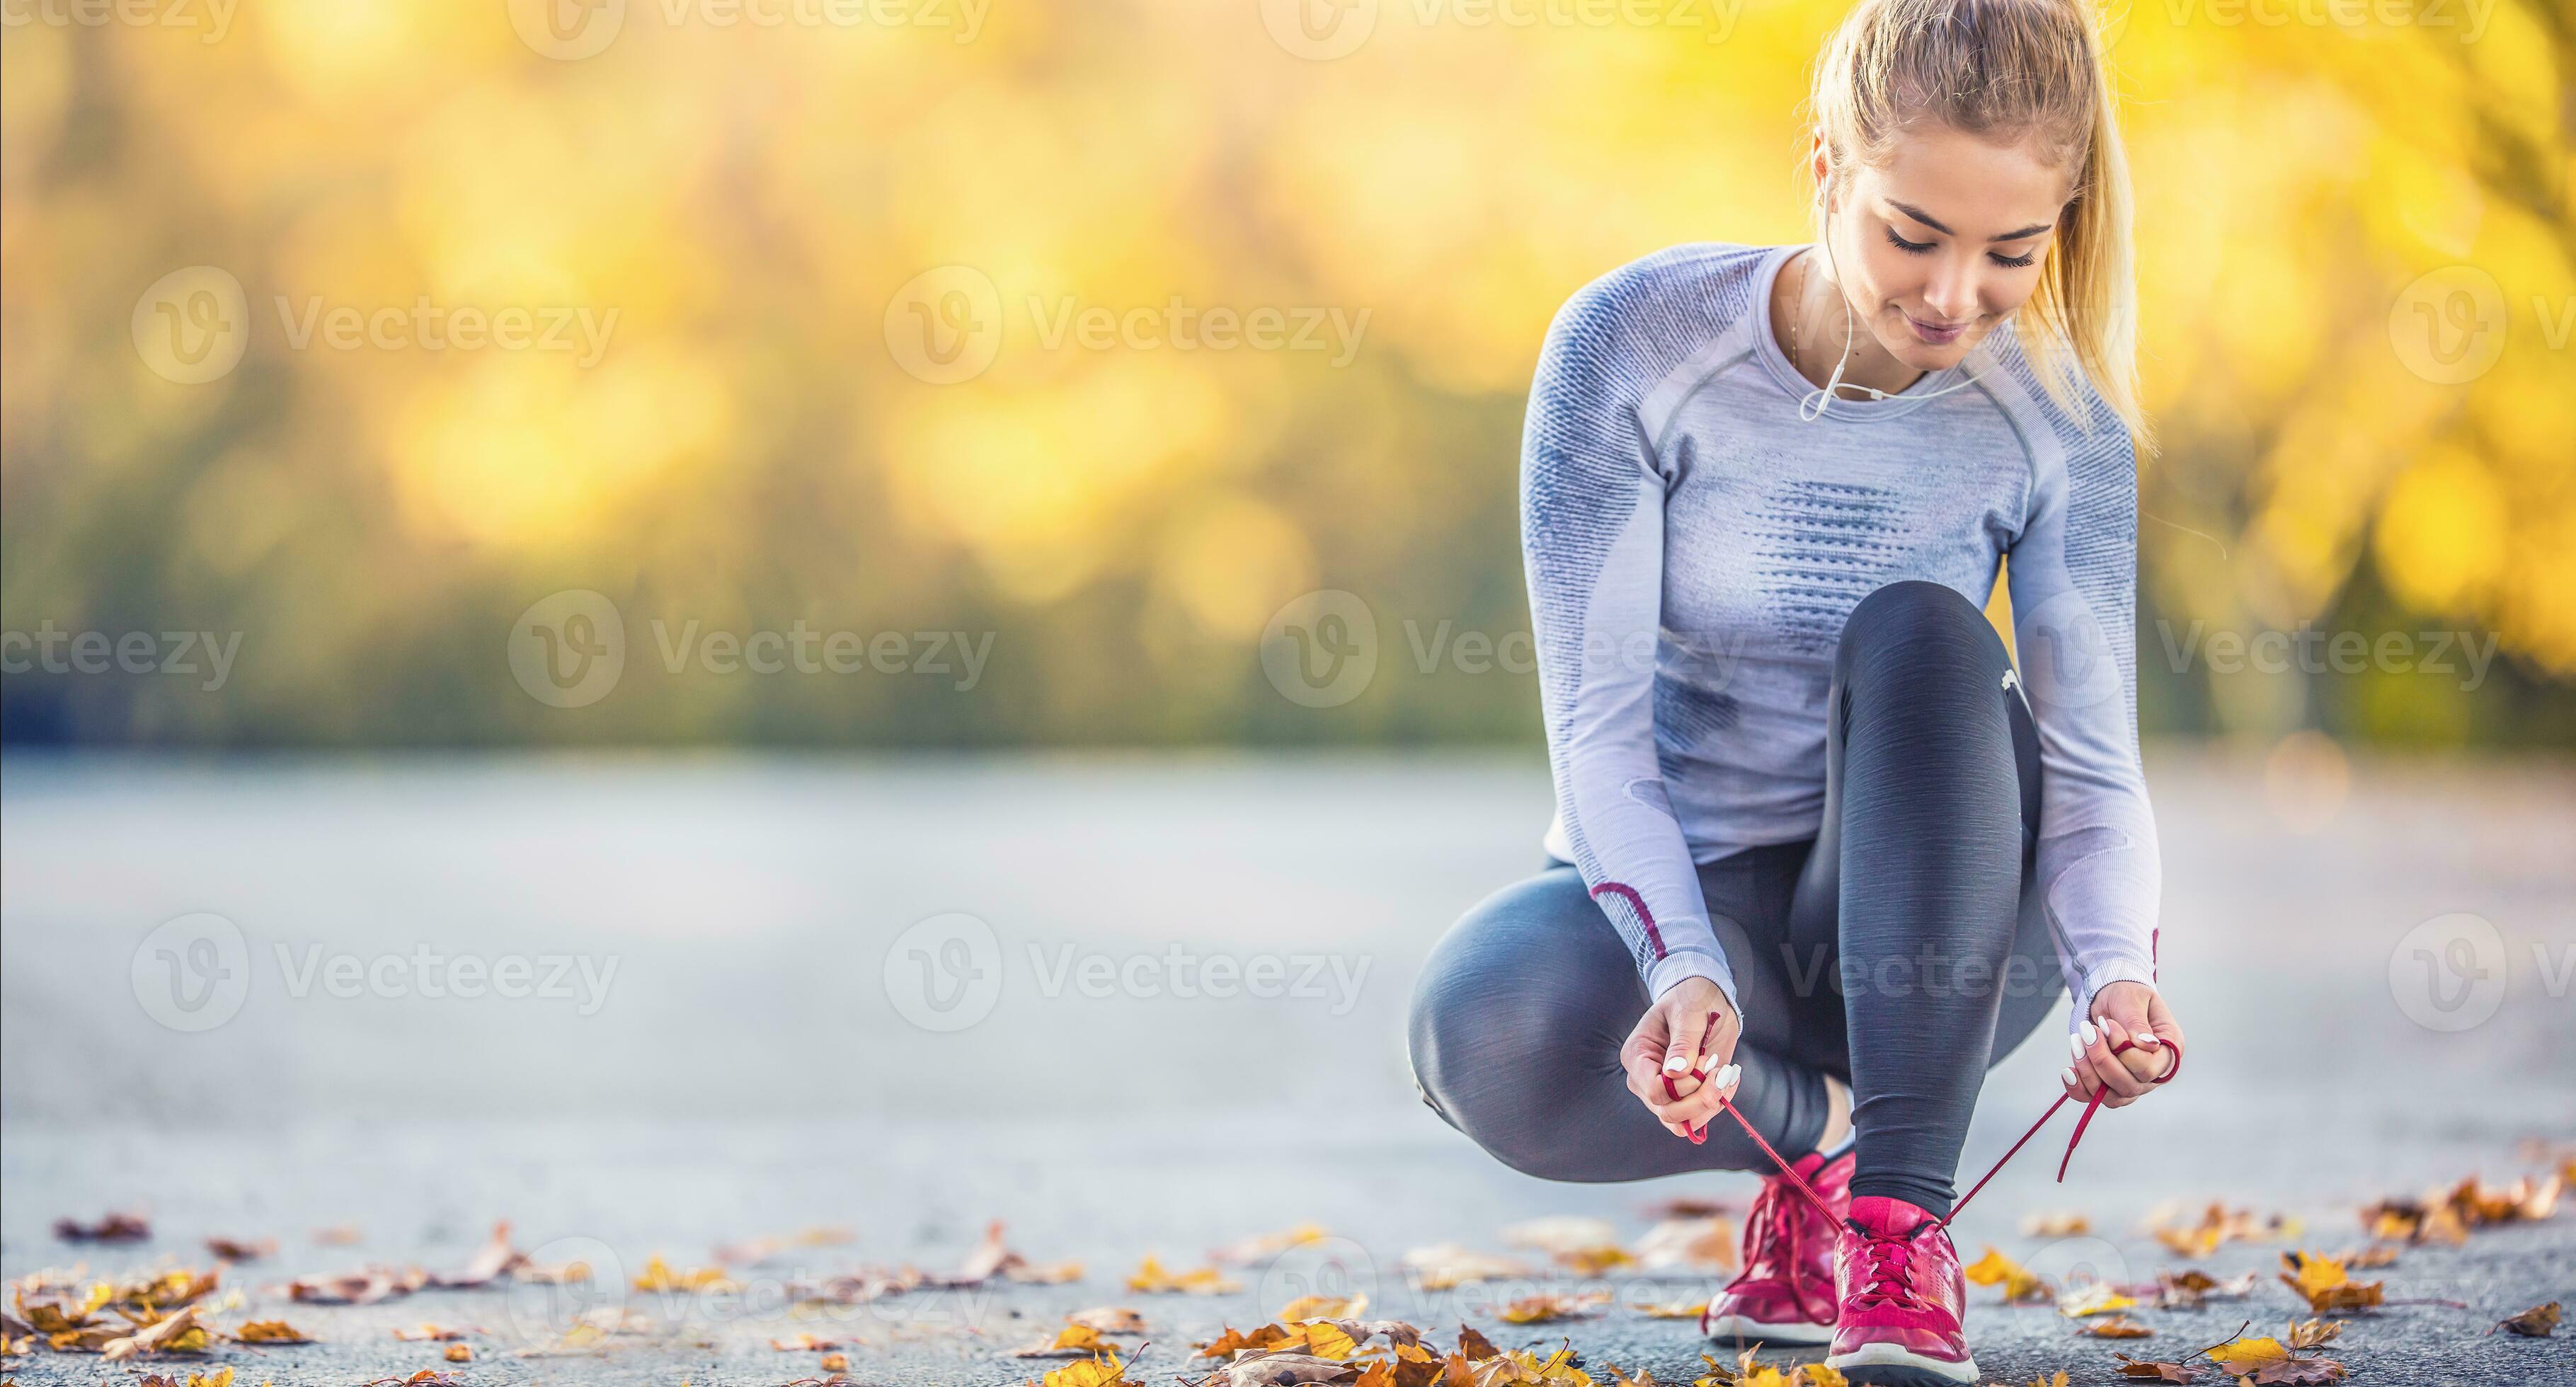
x=2323 y=1283
x=1996 y=1269
x=2244 y=1356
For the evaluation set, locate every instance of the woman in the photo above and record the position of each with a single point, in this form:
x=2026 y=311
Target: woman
x=1821 y=852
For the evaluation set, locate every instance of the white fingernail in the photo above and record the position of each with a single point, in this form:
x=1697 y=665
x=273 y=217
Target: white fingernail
x=1676 y=1063
x=2091 y=1036
x=2147 y=1038
x=1728 y=1075
x=2069 y=1076
x=2075 y=1044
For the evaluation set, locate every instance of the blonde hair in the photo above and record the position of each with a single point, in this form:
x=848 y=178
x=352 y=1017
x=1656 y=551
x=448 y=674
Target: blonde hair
x=2008 y=70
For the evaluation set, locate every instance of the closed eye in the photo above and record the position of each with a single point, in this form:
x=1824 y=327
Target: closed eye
x=2009 y=262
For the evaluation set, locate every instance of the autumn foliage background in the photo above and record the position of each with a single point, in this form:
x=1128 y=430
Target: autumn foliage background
x=747 y=453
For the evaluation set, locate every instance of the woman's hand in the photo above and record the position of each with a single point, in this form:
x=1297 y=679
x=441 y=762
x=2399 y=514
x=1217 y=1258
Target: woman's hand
x=2123 y=1012
x=1678 y=1058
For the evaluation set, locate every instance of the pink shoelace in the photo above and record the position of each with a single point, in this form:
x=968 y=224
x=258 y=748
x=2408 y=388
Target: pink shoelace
x=1817 y=1201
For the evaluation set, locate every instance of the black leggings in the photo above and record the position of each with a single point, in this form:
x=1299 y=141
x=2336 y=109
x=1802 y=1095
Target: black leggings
x=1902 y=950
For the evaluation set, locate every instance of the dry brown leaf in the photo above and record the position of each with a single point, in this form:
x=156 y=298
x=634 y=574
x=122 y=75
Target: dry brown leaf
x=460 y=1353
x=426 y=1332
x=1561 y=1233
x=1109 y=1319
x=490 y=1262
x=1550 y=1306
x=2117 y=1327
x=362 y=1287
x=2140 y=1370
x=1475 y=1346
x=2298 y=1372
x=176 y=1332
x=235 y=1250
x=835 y=1363
x=270 y=1332
x=2308 y=1334
x=2538 y=1322
x=1698 y=1243
x=2099 y=1298
x=110 y=1228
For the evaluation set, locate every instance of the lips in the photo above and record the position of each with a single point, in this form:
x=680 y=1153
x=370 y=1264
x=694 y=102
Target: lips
x=1932 y=334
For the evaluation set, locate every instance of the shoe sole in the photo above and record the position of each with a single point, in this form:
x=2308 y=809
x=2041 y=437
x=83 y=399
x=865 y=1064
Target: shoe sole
x=1743 y=1330
x=1890 y=1365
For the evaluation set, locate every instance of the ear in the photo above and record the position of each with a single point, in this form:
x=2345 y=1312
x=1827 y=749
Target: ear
x=1820 y=163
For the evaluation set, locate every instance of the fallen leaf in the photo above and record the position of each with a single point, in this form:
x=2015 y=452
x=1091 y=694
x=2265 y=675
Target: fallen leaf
x=2308 y=1334
x=1548 y=1307
x=834 y=1363
x=2117 y=1327
x=1561 y=1233
x=1701 y=1243
x=2139 y=1370
x=110 y=1228
x=1151 y=1277
x=1109 y=1319
x=2243 y=1356
x=1475 y=1346
x=1674 y=1310
x=2018 y=1282
x=1322 y=1307
x=2298 y=1372
x=460 y=1353
x=494 y=1258
x=2056 y=1224
x=339 y=1235
x=804 y=1343
x=176 y=1332
x=2096 y=1299
x=2322 y=1283
x=1448 y=1266
x=234 y=1250
x=2538 y=1322
x=1072 y=1341
x=658 y=1276
x=362 y=1287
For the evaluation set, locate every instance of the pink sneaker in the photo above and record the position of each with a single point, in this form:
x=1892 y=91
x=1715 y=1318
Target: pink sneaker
x=1786 y=1295
x=1901 y=1295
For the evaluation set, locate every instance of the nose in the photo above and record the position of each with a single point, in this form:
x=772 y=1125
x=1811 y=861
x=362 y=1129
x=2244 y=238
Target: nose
x=1951 y=293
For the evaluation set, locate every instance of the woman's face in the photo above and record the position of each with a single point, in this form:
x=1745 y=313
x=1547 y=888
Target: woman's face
x=1944 y=242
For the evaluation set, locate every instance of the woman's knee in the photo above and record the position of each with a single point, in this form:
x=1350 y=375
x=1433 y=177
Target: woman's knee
x=1913 y=640
x=1517 y=999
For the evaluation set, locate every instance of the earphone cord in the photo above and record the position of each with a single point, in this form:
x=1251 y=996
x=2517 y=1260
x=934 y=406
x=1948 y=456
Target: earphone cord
x=1823 y=397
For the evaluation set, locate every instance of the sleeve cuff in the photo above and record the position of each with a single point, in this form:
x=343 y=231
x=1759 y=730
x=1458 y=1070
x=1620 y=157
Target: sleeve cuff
x=2100 y=976
x=1691 y=963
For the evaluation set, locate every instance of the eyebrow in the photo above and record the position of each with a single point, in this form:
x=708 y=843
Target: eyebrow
x=1929 y=220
